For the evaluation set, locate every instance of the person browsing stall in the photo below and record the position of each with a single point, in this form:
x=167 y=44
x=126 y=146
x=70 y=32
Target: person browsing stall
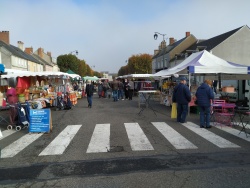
x=204 y=95
x=182 y=96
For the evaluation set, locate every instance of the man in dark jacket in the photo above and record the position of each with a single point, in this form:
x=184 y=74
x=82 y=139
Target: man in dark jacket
x=182 y=96
x=89 y=91
x=204 y=95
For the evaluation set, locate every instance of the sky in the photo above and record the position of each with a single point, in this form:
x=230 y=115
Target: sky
x=107 y=32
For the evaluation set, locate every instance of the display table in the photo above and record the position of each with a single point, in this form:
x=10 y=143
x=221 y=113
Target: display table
x=144 y=98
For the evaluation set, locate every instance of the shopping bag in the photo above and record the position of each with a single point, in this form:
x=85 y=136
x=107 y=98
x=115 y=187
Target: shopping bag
x=174 y=110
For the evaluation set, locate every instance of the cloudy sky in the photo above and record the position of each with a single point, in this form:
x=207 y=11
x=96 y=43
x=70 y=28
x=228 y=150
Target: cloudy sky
x=107 y=32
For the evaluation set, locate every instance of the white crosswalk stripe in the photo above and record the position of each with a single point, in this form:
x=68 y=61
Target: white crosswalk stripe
x=100 y=140
x=7 y=133
x=60 y=143
x=175 y=138
x=233 y=131
x=17 y=146
x=137 y=138
x=211 y=137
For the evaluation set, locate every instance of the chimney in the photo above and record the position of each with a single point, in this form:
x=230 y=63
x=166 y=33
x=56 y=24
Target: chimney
x=171 y=41
x=156 y=52
x=20 y=45
x=40 y=52
x=187 y=34
x=5 y=37
x=49 y=54
x=29 y=50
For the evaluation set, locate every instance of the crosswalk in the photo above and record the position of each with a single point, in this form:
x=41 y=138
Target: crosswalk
x=137 y=138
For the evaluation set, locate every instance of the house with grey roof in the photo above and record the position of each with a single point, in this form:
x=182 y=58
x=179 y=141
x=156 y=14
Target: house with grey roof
x=165 y=56
x=14 y=57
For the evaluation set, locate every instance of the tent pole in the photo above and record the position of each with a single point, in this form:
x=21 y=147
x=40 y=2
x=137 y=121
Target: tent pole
x=219 y=79
x=189 y=85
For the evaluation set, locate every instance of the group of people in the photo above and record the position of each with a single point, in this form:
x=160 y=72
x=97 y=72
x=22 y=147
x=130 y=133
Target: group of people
x=204 y=95
x=120 y=90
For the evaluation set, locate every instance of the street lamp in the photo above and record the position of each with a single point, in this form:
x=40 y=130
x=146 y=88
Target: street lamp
x=155 y=37
x=76 y=51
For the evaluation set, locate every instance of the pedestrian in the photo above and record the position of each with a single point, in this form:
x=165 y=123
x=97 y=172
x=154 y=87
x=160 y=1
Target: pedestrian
x=204 y=95
x=89 y=91
x=120 y=90
x=75 y=87
x=115 y=90
x=182 y=96
x=131 y=89
x=105 y=88
x=100 y=89
x=126 y=88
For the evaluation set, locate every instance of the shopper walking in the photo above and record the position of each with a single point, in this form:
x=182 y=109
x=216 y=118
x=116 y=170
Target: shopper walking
x=204 y=95
x=126 y=88
x=182 y=96
x=100 y=89
x=120 y=90
x=131 y=89
x=115 y=90
x=89 y=91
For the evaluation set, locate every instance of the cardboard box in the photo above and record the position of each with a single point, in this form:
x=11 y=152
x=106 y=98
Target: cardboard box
x=228 y=89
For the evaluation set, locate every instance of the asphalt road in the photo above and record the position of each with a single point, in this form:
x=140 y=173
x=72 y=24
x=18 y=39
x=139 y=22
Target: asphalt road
x=207 y=165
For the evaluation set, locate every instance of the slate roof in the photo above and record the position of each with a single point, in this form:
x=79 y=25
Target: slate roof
x=212 y=42
x=18 y=52
x=169 y=48
x=41 y=60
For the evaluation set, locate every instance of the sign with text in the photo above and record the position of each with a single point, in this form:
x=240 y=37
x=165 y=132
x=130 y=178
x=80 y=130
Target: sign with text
x=40 y=120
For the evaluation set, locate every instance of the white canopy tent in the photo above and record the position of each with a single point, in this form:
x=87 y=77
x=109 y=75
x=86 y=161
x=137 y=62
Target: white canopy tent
x=204 y=62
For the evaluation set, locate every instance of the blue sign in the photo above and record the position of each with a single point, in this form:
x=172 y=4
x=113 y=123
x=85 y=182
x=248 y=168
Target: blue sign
x=40 y=120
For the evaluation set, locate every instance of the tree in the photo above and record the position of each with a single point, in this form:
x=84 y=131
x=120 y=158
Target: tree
x=140 y=64
x=69 y=61
x=66 y=62
x=123 y=71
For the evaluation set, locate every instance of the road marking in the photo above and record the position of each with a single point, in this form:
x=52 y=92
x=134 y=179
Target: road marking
x=209 y=136
x=17 y=146
x=232 y=131
x=176 y=139
x=61 y=142
x=100 y=140
x=7 y=133
x=137 y=138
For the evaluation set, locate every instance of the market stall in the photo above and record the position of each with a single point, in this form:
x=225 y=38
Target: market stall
x=205 y=65
x=40 y=87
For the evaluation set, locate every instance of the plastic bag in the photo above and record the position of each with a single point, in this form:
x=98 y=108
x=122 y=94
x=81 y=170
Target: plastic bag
x=174 y=110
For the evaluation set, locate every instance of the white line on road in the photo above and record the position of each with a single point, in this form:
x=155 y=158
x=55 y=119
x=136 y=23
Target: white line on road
x=100 y=140
x=233 y=131
x=7 y=133
x=176 y=139
x=61 y=142
x=17 y=146
x=209 y=136
x=137 y=138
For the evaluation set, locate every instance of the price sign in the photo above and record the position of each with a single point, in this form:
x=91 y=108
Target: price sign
x=40 y=120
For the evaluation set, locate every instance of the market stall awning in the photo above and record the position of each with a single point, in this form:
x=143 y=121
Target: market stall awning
x=92 y=78
x=204 y=62
x=11 y=73
x=137 y=76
